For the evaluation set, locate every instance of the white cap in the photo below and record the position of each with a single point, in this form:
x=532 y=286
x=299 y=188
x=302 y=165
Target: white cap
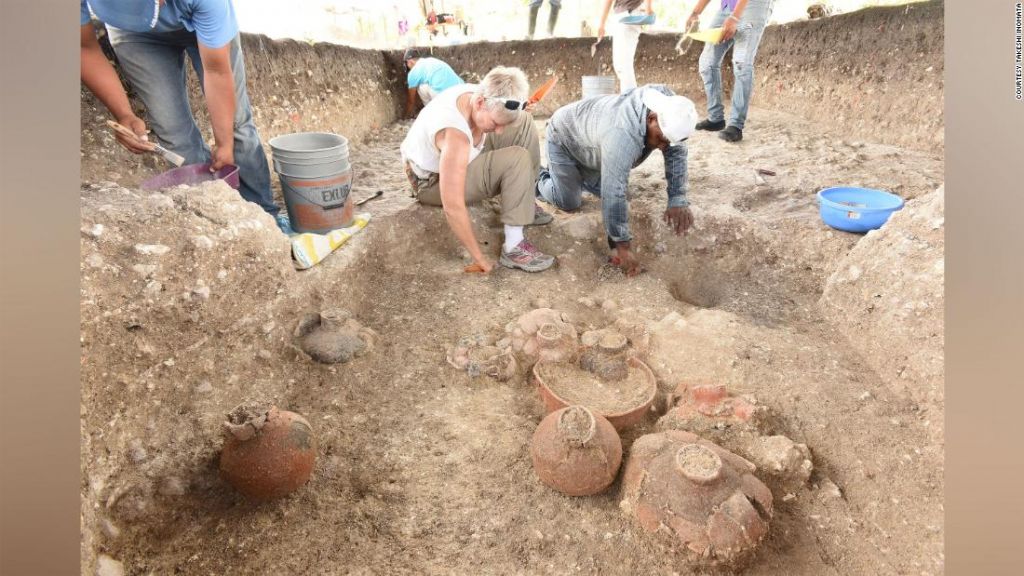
x=677 y=116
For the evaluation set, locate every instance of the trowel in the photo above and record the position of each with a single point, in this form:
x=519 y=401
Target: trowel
x=593 y=47
x=171 y=157
x=376 y=194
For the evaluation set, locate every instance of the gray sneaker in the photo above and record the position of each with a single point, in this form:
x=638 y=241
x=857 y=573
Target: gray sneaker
x=540 y=217
x=525 y=256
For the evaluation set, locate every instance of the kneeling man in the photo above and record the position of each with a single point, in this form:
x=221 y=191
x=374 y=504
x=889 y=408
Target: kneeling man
x=594 y=143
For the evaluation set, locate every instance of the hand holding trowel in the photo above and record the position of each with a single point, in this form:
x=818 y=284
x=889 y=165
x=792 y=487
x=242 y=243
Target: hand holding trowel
x=541 y=92
x=139 y=144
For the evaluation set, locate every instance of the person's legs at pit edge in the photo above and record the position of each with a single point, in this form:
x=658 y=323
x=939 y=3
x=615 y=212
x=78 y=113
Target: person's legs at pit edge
x=554 y=6
x=625 y=38
x=710 y=68
x=748 y=36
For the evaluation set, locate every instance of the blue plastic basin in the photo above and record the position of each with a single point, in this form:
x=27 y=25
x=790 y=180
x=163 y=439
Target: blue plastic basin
x=638 y=19
x=857 y=209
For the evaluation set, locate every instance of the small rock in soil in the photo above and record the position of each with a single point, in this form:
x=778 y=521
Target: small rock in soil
x=144 y=270
x=136 y=452
x=107 y=566
x=152 y=249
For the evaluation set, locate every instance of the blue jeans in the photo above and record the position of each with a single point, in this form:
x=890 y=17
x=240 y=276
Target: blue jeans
x=744 y=49
x=552 y=3
x=154 y=63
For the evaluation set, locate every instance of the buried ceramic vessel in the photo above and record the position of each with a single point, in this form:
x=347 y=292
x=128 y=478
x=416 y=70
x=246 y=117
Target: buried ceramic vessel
x=333 y=336
x=701 y=495
x=576 y=452
x=623 y=403
x=606 y=356
x=544 y=335
x=267 y=454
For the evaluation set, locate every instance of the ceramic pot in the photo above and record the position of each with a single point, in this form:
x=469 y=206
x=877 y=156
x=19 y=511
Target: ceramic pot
x=576 y=452
x=333 y=336
x=705 y=498
x=268 y=455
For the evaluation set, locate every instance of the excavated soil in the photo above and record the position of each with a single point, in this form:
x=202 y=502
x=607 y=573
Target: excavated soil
x=423 y=469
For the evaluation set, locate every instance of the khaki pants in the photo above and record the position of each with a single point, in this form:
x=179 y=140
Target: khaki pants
x=507 y=166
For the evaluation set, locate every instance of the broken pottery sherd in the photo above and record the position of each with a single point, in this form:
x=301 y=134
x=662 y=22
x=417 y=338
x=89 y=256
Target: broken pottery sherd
x=333 y=336
x=267 y=454
x=706 y=408
x=476 y=355
x=698 y=493
x=576 y=452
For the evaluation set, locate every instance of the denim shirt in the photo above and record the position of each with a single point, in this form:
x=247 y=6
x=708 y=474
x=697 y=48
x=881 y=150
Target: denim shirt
x=606 y=136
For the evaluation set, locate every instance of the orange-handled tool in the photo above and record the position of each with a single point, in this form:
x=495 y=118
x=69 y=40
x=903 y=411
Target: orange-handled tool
x=543 y=90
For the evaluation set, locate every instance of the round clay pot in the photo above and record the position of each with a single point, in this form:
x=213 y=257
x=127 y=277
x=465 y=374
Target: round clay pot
x=576 y=452
x=698 y=493
x=333 y=336
x=554 y=343
x=268 y=455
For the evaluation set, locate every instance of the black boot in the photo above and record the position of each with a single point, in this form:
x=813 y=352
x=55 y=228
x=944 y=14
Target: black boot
x=533 y=21
x=552 y=18
x=707 y=124
x=731 y=134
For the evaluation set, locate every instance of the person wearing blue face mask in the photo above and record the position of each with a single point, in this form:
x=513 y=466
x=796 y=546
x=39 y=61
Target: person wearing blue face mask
x=151 y=39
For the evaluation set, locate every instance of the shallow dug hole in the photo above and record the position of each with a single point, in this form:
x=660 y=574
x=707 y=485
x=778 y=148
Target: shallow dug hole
x=423 y=469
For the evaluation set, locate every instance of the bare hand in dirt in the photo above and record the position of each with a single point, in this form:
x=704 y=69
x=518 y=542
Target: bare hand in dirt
x=479 y=267
x=137 y=145
x=221 y=157
x=679 y=219
x=728 y=29
x=627 y=261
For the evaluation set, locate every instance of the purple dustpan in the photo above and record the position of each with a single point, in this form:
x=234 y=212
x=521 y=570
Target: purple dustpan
x=190 y=175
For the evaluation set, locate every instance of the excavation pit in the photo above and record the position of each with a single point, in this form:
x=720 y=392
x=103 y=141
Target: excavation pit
x=422 y=468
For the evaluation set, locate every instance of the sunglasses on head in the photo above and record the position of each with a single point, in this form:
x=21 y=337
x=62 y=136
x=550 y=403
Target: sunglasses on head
x=512 y=104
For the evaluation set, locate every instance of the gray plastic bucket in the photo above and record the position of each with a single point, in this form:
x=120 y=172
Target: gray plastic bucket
x=598 y=86
x=316 y=179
